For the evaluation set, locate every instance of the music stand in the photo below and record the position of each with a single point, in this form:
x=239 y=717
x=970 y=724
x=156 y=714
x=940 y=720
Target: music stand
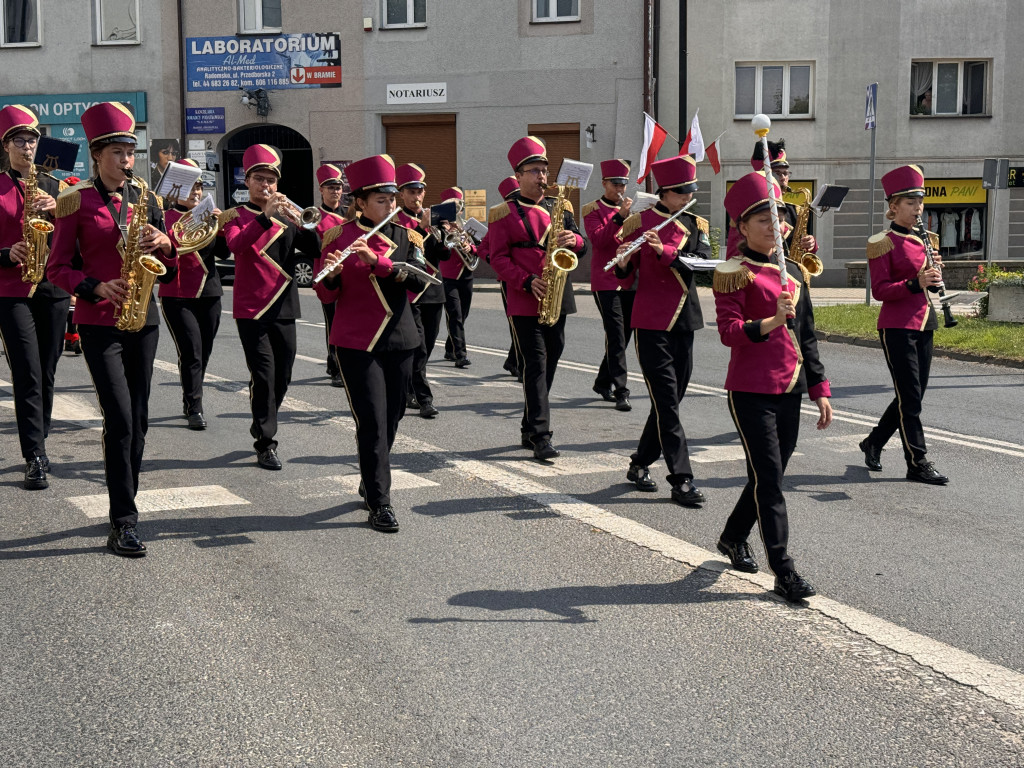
x=830 y=197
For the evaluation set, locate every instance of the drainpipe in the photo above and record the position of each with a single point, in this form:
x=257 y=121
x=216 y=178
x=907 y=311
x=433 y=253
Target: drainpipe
x=682 y=68
x=181 y=79
x=649 y=65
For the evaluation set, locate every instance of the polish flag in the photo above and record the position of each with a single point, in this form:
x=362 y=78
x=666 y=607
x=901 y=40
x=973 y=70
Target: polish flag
x=654 y=137
x=712 y=155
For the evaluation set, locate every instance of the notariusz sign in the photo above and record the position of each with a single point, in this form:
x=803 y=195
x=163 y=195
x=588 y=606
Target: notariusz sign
x=418 y=93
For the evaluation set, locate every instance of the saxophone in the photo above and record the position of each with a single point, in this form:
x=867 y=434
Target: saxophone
x=35 y=231
x=806 y=259
x=558 y=262
x=138 y=269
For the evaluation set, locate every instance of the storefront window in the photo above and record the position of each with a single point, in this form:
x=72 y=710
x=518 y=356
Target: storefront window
x=957 y=209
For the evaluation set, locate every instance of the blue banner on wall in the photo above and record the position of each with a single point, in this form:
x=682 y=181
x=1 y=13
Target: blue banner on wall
x=65 y=108
x=284 y=61
x=205 y=120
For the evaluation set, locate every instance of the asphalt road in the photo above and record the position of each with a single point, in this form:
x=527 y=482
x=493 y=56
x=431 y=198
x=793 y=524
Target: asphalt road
x=525 y=615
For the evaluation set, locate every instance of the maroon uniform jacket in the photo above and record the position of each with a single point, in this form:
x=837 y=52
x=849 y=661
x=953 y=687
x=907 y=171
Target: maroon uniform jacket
x=434 y=254
x=516 y=243
x=895 y=259
x=747 y=289
x=12 y=206
x=602 y=221
x=372 y=310
x=84 y=222
x=197 y=275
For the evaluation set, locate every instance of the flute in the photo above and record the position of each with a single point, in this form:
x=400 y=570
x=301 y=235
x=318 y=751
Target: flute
x=636 y=245
x=348 y=251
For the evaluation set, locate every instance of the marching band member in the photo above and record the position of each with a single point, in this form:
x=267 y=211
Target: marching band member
x=665 y=315
x=458 y=293
x=770 y=367
x=516 y=234
x=191 y=304
x=906 y=322
x=428 y=304
x=93 y=217
x=374 y=330
x=508 y=188
x=614 y=297
x=331 y=215
x=266 y=301
x=32 y=316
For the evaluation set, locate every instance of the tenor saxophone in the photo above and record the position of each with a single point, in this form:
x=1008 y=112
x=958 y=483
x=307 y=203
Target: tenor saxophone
x=138 y=269
x=558 y=263
x=35 y=231
x=806 y=259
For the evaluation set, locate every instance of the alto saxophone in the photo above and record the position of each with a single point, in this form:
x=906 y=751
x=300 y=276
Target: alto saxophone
x=558 y=262
x=35 y=231
x=138 y=269
x=806 y=259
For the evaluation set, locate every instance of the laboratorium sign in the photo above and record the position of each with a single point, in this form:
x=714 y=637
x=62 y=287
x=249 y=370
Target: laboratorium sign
x=282 y=61
x=418 y=93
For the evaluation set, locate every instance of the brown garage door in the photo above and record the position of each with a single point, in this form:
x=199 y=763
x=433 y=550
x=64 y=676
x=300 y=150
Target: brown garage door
x=562 y=140
x=428 y=141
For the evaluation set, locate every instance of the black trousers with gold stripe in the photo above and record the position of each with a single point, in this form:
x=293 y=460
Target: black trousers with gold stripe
x=616 y=308
x=428 y=323
x=193 y=324
x=542 y=347
x=458 y=298
x=909 y=357
x=666 y=359
x=514 y=361
x=270 y=354
x=332 y=363
x=768 y=427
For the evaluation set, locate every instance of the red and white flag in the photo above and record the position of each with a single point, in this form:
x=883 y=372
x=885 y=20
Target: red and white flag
x=694 y=140
x=712 y=155
x=654 y=137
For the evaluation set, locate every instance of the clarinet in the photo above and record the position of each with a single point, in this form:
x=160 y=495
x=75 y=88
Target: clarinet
x=947 y=313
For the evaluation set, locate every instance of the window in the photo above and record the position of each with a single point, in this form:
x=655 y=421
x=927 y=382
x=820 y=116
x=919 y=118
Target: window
x=21 y=22
x=117 y=22
x=948 y=88
x=405 y=13
x=779 y=90
x=556 y=10
x=256 y=16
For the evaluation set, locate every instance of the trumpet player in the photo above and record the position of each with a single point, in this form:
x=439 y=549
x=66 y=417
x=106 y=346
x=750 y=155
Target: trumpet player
x=665 y=315
x=427 y=304
x=602 y=219
x=264 y=238
x=191 y=302
x=94 y=220
x=332 y=187
x=458 y=289
x=518 y=257
x=32 y=315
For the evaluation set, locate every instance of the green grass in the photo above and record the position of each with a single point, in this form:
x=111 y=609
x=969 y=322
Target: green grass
x=972 y=334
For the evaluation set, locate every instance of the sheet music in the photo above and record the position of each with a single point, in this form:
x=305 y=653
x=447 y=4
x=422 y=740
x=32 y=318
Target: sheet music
x=642 y=201
x=830 y=196
x=476 y=228
x=698 y=264
x=204 y=209
x=177 y=181
x=574 y=173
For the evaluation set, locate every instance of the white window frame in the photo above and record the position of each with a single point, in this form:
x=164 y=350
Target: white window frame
x=987 y=107
x=758 y=82
x=553 y=17
x=259 y=28
x=3 y=28
x=98 y=30
x=410 y=14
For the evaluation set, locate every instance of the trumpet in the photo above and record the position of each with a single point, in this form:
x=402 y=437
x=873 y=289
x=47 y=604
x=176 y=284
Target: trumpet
x=323 y=273
x=307 y=218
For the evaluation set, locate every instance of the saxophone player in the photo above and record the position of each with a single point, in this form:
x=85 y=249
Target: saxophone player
x=93 y=217
x=32 y=315
x=518 y=254
x=665 y=315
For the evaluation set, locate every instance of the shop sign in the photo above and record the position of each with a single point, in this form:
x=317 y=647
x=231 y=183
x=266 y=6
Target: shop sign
x=954 y=192
x=67 y=108
x=205 y=120
x=310 y=60
x=1015 y=176
x=418 y=93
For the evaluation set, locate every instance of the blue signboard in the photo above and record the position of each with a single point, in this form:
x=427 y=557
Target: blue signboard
x=283 y=61
x=205 y=120
x=65 y=108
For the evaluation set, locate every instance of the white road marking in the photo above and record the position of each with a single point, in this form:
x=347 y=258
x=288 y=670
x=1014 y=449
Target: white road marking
x=308 y=359
x=65 y=407
x=708 y=454
x=348 y=485
x=162 y=500
x=579 y=464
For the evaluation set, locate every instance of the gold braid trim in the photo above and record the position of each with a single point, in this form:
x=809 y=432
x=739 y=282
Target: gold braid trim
x=68 y=202
x=703 y=225
x=415 y=239
x=589 y=208
x=497 y=213
x=803 y=270
x=61 y=186
x=879 y=244
x=629 y=226
x=334 y=233
x=225 y=216
x=568 y=207
x=934 y=237
x=730 y=276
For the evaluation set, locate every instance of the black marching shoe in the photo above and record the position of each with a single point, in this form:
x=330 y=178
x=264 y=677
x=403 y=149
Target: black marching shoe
x=641 y=478
x=383 y=519
x=35 y=474
x=739 y=555
x=196 y=421
x=362 y=495
x=545 y=451
x=463 y=362
x=793 y=587
x=268 y=459
x=926 y=473
x=872 y=455
x=411 y=402
x=512 y=371
x=337 y=381
x=46 y=462
x=428 y=411
x=622 y=403
x=449 y=356
x=124 y=541
x=526 y=442
x=687 y=494
x=605 y=393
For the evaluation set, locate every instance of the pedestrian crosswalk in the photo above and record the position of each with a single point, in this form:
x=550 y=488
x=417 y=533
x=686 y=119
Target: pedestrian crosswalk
x=162 y=500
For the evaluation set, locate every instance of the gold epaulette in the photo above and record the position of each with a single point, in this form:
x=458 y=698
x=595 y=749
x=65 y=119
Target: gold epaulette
x=497 y=213
x=730 y=276
x=225 y=216
x=934 y=238
x=879 y=244
x=68 y=202
x=629 y=226
x=415 y=238
x=589 y=208
x=334 y=233
x=61 y=186
x=703 y=224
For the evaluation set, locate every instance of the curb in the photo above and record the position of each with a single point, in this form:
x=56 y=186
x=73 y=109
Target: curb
x=951 y=354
